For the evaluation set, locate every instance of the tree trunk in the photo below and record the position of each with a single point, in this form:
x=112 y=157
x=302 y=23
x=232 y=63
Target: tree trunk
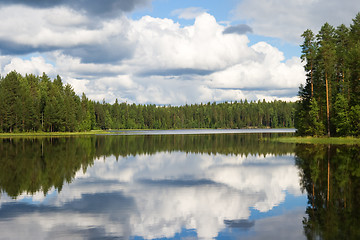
x=327 y=105
x=311 y=80
x=313 y=196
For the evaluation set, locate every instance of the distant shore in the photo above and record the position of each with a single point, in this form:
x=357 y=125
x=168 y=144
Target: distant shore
x=52 y=134
x=146 y=132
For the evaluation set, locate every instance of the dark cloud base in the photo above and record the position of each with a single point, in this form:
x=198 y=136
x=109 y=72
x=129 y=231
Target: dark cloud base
x=100 y=8
x=176 y=72
x=100 y=53
x=105 y=53
x=12 y=48
x=240 y=29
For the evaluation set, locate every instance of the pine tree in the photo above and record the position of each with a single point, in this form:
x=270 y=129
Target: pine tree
x=309 y=49
x=335 y=77
x=327 y=54
x=342 y=46
x=354 y=60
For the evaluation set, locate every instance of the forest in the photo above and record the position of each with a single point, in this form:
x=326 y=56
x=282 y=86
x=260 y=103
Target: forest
x=330 y=99
x=36 y=103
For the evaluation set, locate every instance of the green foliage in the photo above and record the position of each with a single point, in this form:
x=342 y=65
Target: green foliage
x=11 y=96
x=315 y=126
x=355 y=120
x=333 y=80
x=34 y=103
x=342 y=120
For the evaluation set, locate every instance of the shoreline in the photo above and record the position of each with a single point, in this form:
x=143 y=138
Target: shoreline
x=52 y=134
x=292 y=139
x=146 y=132
x=320 y=140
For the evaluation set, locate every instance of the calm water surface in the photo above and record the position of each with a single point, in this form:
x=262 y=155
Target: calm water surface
x=189 y=184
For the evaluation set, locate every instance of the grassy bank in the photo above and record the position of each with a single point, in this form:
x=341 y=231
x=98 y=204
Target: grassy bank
x=319 y=140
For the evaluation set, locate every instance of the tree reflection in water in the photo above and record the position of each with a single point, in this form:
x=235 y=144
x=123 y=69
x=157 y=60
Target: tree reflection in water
x=330 y=174
x=29 y=165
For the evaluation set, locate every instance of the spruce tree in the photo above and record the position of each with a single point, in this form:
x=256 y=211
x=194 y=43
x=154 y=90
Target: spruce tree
x=342 y=120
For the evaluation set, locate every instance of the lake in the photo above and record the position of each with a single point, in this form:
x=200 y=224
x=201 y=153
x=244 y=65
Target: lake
x=180 y=184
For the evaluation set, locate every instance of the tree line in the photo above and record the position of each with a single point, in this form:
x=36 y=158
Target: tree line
x=330 y=100
x=37 y=103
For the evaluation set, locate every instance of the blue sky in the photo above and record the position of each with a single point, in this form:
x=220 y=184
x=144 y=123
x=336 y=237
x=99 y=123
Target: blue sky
x=223 y=11
x=166 y=51
x=164 y=8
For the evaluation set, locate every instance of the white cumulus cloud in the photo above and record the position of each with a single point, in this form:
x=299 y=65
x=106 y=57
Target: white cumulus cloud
x=288 y=19
x=149 y=60
x=188 y=13
x=35 y=65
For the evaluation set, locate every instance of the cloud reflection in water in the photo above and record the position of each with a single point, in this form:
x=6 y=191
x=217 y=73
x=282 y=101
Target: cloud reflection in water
x=158 y=195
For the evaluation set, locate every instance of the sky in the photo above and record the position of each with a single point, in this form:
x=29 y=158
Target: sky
x=166 y=52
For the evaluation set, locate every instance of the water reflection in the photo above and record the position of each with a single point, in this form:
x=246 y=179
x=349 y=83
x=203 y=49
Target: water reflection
x=148 y=186
x=32 y=164
x=331 y=178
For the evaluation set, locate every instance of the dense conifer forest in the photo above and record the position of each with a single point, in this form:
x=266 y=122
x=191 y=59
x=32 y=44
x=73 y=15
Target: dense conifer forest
x=36 y=103
x=330 y=100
